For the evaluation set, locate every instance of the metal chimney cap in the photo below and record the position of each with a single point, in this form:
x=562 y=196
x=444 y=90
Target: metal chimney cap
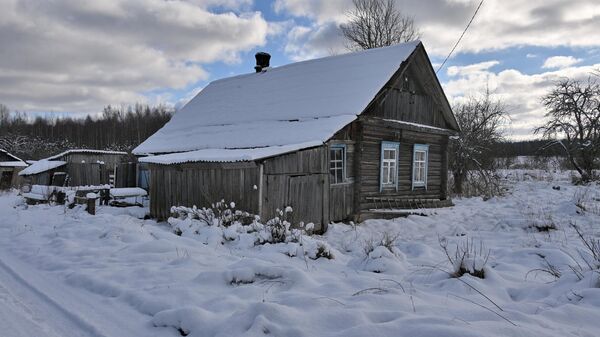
x=262 y=61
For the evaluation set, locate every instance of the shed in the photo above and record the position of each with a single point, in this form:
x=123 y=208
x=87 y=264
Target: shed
x=77 y=167
x=341 y=137
x=10 y=166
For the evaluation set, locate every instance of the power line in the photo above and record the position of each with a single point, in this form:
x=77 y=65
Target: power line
x=461 y=36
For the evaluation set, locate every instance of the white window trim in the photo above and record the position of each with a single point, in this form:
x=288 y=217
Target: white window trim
x=343 y=148
x=389 y=146
x=420 y=148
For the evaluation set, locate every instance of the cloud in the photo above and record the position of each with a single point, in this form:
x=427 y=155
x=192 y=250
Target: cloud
x=559 y=62
x=72 y=55
x=471 y=69
x=500 y=24
x=521 y=92
x=311 y=42
x=321 y=11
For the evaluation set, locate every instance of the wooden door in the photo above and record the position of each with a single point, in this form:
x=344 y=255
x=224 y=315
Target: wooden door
x=5 y=179
x=305 y=196
x=275 y=196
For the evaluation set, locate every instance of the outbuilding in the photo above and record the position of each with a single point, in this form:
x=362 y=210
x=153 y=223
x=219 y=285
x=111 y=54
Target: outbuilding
x=10 y=166
x=76 y=167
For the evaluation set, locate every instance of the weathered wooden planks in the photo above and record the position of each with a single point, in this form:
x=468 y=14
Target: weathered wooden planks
x=174 y=185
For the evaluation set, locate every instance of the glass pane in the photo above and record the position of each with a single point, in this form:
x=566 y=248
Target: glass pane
x=385 y=179
x=389 y=154
x=393 y=175
x=420 y=156
x=339 y=176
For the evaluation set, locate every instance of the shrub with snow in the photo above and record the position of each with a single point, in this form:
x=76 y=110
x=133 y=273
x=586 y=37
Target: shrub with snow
x=221 y=223
x=220 y=214
x=468 y=258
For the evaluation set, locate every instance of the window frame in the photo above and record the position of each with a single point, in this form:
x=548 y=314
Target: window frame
x=343 y=148
x=385 y=145
x=425 y=149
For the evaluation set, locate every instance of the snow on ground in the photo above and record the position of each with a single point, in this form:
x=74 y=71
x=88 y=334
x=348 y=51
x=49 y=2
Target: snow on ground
x=66 y=273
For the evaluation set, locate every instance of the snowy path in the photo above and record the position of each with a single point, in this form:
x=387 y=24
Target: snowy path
x=16 y=318
x=33 y=304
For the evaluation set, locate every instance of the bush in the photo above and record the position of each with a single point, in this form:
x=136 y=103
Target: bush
x=219 y=214
x=323 y=251
x=279 y=226
x=387 y=240
x=228 y=224
x=589 y=257
x=468 y=258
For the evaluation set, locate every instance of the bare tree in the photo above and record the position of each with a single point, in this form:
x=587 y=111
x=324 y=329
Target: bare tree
x=377 y=23
x=573 y=121
x=482 y=121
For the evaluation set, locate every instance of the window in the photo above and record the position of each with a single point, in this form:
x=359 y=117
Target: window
x=337 y=164
x=420 y=158
x=389 y=165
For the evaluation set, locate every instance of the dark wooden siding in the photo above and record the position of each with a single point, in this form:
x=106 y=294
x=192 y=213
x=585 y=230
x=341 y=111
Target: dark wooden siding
x=110 y=160
x=92 y=168
x=374 y=131
x=310 y=161
x=89 y=173
x=201 y=185
x=299 y=180
x=126 y=174
x=341 y=196
x=6 y=157
x=408 y=98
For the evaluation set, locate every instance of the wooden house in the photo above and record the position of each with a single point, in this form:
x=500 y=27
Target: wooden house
x=81 y=167
x=10 y=166
x=343 y=137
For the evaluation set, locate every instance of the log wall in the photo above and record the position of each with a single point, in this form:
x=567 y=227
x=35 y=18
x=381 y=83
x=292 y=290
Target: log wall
x=373 y=132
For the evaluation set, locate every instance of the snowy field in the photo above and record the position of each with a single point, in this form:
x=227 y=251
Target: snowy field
x=66 y=273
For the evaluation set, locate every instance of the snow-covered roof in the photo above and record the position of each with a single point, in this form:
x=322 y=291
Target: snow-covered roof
x=85 y=151
x=13 y=164
x=225 y=155
x=300 y=103
x=42 y=166
x=11 y=155
x=18 y=162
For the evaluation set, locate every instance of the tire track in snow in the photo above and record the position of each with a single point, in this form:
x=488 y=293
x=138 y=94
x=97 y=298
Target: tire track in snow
x=18 y=320
x=64 y=322
x=66 y=311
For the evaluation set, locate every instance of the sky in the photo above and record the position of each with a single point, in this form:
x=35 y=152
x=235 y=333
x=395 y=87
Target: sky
x=72 y=57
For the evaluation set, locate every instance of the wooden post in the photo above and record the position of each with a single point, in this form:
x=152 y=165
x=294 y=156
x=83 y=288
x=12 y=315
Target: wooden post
x=91 y=203
x=104 y=196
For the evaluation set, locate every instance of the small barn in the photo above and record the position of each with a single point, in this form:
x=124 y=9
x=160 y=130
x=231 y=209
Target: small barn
x=343 y=137
x=10 y=166
x=80 y=167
